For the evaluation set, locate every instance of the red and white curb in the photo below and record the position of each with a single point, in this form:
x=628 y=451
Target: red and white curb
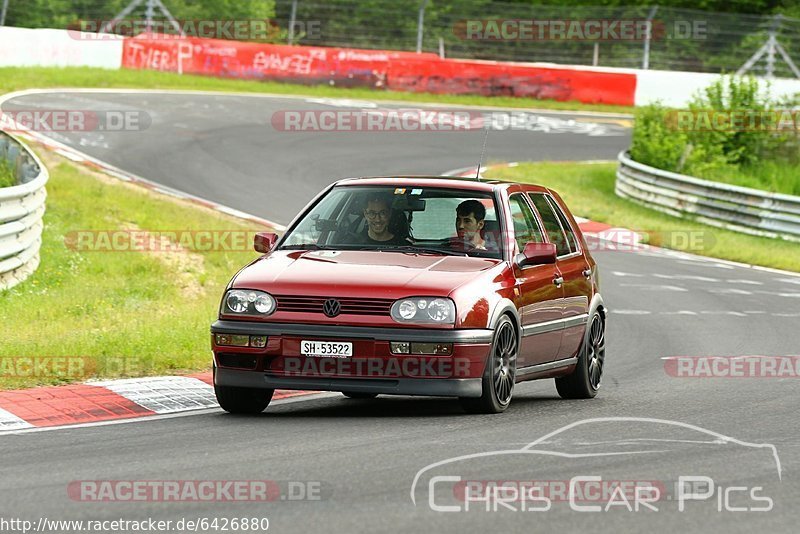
x=91 y=402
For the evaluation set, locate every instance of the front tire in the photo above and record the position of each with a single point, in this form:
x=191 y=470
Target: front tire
x=241 y=400
x=501 y=370
x=584 y=381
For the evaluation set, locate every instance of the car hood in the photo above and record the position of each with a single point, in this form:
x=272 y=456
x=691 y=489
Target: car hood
x=366 y=274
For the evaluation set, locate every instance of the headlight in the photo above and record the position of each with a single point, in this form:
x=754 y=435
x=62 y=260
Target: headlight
x=424 y=310
x=247 y=302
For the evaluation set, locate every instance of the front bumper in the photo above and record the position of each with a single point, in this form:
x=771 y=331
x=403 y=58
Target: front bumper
x=444 y=387
x=371 y=369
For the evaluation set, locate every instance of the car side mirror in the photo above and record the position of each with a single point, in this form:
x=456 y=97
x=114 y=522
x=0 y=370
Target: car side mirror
x=537 y=254
x=264 y=241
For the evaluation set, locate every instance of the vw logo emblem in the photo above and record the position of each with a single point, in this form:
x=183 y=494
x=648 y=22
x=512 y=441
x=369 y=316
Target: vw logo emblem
x=331 y=308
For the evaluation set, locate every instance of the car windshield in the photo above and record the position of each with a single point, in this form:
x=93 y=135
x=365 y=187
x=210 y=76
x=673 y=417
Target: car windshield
x=408 y=219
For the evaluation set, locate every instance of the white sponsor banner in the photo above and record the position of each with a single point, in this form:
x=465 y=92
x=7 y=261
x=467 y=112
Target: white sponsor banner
x=24 y=47
x=676 y=89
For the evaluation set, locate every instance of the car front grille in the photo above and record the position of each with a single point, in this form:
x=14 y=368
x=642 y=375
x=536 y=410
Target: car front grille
x=349 y=306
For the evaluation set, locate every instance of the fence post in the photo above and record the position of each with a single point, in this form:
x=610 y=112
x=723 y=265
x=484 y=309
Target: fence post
x=3 y=13
x=292 y=21
x=420 y=24
x=647 y=37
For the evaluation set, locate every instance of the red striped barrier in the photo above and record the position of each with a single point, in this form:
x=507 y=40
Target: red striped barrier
x=380 y=69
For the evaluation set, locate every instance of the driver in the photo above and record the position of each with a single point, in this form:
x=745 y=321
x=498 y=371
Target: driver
x=378 y=213
x=470 y=216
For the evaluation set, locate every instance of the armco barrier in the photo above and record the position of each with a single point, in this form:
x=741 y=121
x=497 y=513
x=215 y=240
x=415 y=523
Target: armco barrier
x=380 y=69
x=727 y=206
x=21 y=211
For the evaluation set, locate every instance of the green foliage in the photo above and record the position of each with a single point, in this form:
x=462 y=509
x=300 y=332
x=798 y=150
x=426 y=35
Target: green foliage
x=653 y=142
x=6 y=174
x=63 y=13
x=752 y=157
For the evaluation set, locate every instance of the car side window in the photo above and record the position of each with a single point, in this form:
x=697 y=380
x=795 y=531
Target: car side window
x=551 y=224
x=526 y=228
x=572 y=239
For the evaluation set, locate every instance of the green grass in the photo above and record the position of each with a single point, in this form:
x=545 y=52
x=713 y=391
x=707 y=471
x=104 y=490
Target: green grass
x=125 y=313
x=589 y=192
x=767 y=175
x=6 y=174
x=15 y=79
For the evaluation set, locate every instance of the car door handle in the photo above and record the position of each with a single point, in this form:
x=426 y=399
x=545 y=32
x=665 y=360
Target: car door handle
x=587 y=273
x=558 y=281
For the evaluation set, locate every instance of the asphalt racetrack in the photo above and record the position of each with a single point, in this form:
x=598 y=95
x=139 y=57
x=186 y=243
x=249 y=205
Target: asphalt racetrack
x=372 y=466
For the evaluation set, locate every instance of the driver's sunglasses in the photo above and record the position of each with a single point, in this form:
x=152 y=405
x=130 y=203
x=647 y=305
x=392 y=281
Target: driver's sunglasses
x=372 y=214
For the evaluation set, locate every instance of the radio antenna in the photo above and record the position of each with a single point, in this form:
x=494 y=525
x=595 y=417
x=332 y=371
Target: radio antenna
x=483 y=151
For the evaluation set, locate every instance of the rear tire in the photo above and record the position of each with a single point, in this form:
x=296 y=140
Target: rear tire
x=584 y=381
x=358 y=395
x=500 y=373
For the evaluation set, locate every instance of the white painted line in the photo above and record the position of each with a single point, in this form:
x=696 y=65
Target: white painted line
x=9 y=421
x=631 y=312
x=748 y=282
x=648 y=287
x=632 y=275
x=789 y=280
x=705 y=262
x=730 y=291
x=680 y=312
x=725 y=312
x=686 y=277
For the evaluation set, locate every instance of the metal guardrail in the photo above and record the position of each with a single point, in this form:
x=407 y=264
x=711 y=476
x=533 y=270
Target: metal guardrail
x=726 y=206
x=21 y=211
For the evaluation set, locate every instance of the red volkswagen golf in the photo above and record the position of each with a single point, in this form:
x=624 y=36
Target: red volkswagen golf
x=415 y=286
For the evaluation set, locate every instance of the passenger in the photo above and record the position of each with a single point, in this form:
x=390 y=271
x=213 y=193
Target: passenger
x=470 y=216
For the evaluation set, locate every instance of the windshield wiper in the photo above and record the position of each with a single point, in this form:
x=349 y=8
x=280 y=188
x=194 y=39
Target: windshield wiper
x=423 y=250
x=305 y=246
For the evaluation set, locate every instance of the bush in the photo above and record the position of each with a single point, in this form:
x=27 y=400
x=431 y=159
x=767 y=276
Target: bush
x=659 y=142
x=6 y=174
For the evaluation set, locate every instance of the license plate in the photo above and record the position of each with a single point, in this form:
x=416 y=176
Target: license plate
x=326 y=349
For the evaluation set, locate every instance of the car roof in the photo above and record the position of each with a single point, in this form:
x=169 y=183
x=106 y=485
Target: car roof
x=445 y=182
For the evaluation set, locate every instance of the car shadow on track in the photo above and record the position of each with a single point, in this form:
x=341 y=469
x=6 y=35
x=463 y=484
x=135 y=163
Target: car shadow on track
x=389 y=406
